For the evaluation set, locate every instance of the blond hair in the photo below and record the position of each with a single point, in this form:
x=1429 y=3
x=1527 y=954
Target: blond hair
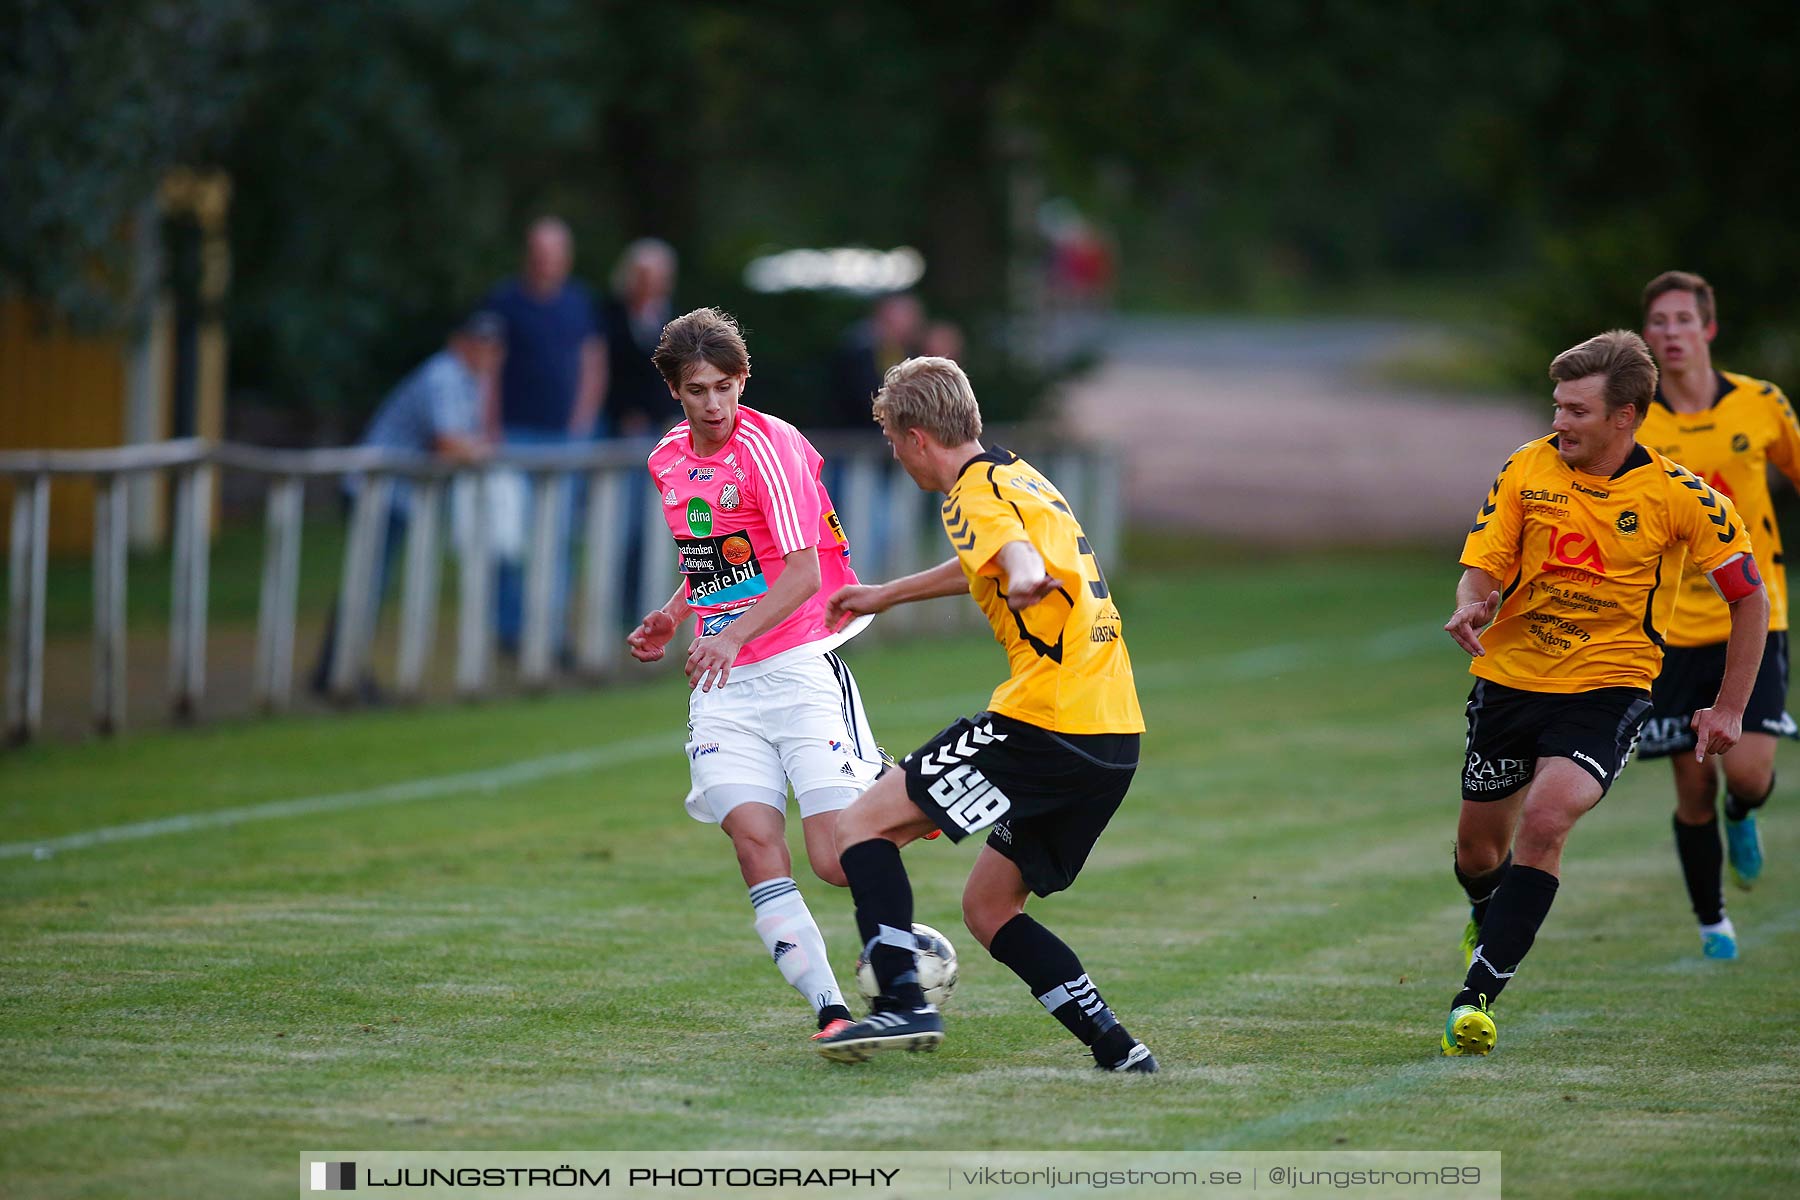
x=1623 y=358
x=931 y=394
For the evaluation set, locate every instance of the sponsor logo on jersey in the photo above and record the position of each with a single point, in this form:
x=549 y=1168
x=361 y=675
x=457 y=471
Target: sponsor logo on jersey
x=836 y=745
x=836 y=526
x=699 y=517
x=1596 y=493
x=700 y=474
x=847 y=769
x=1104 y=633
x=713 y=579
x=1627 y=523
x=714 y=624
x=736 y=550
x=729 y=498
x=670 y=498
x=1574 y=550
x=1740 y=442
x=1544 y=494
x=704 y=749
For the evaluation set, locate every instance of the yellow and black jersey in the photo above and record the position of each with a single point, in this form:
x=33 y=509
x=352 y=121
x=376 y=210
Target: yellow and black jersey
x=1070 y=669
x=1730 y=446
x=1589 y=566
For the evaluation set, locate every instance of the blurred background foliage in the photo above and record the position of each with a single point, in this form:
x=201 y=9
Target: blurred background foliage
x=1523 y=167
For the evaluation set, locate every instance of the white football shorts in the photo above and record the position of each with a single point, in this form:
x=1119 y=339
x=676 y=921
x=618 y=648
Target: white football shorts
x=802 y=724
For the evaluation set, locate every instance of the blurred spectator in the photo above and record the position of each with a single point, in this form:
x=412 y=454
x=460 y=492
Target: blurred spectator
x=890 y=335
x=550 y=394
x=639 y=305
x=1080 y=275
x=1081 y=258
x=637 y=399
x=943 y=339
x=437 y=409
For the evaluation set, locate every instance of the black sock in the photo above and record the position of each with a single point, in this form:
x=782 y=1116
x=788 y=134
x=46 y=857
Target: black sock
x=833 y=1012
x=1054 y=975
x=1702 y=855
x=1738 y=807
x=1480 y=888
x=1519 y=907
x=884 y=912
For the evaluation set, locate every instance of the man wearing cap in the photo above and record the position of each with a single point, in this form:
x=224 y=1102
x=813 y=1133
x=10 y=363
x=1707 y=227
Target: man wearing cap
x=437 y=409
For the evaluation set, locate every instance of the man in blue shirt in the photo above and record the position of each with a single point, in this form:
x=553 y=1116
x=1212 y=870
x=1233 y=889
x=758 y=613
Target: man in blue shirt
x=550 y=391
x=437 y=409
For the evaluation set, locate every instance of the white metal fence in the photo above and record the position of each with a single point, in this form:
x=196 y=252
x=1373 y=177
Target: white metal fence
x=891 y=526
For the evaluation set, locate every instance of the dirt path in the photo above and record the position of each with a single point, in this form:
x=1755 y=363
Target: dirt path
x=1278 y=431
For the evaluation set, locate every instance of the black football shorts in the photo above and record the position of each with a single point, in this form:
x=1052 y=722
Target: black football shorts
x=1042 y=797
x=1690 y=682
x=1510 y=729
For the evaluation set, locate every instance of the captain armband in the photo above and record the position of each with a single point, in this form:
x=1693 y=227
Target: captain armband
x=1735 y=578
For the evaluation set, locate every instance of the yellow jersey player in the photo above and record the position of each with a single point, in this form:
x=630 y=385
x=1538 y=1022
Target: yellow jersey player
x=1570 y=578
x=1040 y=772
x=1727 y=429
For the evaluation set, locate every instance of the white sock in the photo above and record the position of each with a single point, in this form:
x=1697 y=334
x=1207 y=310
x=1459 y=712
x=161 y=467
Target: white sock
x=1724 y=926
x=793 y=940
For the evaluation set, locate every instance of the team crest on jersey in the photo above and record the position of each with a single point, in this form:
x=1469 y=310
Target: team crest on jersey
x=1740 y=442
x=1627 y=523
x=728 y=495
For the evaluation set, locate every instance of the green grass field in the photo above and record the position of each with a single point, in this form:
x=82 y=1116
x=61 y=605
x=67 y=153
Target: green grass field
x=493 y=928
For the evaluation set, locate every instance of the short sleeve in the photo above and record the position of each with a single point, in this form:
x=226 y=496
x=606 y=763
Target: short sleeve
x=449 y=402
x=786 y=489
x=1493 y=541
x=1784 y=451
x=979 y=522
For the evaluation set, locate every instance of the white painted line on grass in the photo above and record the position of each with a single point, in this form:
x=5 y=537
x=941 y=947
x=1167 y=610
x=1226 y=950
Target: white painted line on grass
x=526 y=771
x=1253 y=662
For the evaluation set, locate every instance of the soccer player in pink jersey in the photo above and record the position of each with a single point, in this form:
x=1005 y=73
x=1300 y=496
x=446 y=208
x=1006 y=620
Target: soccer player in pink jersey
x=760 y=550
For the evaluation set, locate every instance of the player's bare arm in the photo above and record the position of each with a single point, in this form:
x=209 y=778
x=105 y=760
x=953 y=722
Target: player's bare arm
x=1717 y=729
x=710 y=658
x=945 y=579
x=653 y=634
x=1477 y=600
x=1027 y=582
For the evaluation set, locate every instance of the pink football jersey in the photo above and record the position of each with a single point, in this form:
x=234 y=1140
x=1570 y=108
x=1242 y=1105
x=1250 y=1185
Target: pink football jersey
x=736 y=514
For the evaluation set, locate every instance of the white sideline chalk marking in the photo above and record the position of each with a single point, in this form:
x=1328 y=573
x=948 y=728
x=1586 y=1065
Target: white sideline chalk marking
x=526 y=771
x=1254 y=662
x=1403 y=1081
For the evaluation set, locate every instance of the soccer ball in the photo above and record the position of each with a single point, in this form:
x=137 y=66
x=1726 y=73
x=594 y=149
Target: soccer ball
x=937 y=968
